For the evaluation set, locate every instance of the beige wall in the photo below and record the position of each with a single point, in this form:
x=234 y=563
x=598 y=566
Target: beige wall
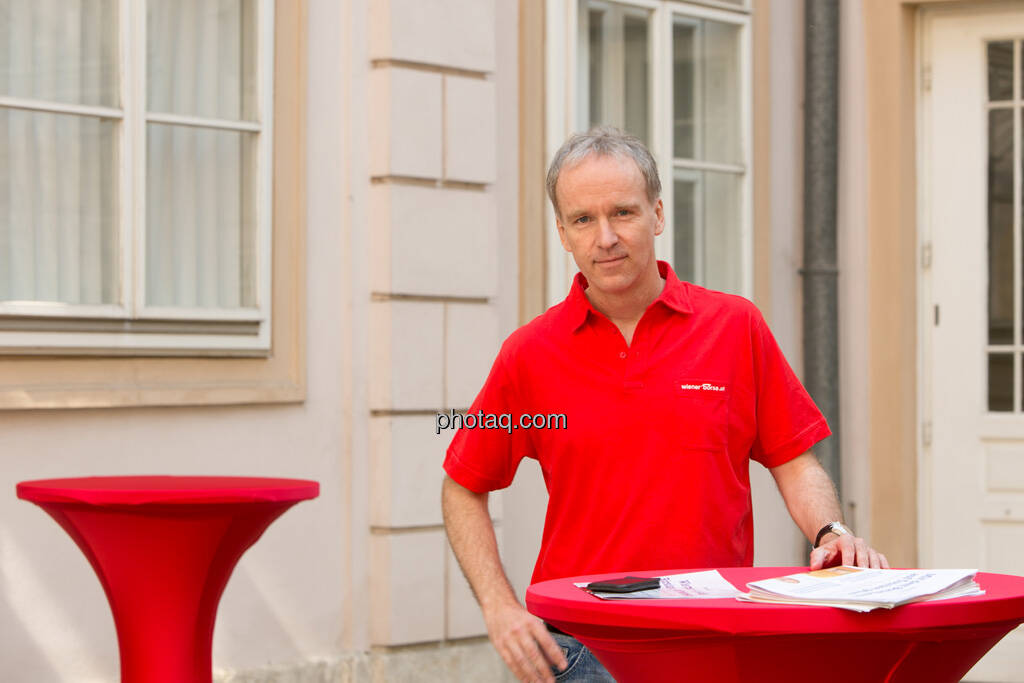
x=890 y=228
x=853 y=272
x=877 y=252
x=778 y=197
x=410 y=203
x=442 y=221
x=285 y=598
x=880 y=236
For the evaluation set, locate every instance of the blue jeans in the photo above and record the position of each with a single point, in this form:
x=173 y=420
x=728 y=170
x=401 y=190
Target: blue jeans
x=583 y=665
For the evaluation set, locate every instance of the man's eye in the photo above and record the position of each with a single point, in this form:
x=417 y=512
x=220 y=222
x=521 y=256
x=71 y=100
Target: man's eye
x=622 y=212
x=583 y=220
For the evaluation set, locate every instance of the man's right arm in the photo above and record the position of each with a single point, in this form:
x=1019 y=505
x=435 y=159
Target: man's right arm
x=519 y=637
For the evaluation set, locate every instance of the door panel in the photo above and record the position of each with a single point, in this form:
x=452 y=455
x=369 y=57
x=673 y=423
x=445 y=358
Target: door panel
x=972 y=457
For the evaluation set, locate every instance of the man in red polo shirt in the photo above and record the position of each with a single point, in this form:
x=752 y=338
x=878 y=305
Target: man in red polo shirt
x=667 y=391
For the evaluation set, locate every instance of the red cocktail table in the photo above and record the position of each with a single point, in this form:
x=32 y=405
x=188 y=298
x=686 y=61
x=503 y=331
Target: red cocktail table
x=725 y=640
x=163 y=548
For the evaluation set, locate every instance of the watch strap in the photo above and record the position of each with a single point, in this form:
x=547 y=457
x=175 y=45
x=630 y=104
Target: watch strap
x=837 y=528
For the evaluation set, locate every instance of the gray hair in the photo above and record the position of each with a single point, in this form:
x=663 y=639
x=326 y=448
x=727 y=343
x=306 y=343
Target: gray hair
x=604 y=141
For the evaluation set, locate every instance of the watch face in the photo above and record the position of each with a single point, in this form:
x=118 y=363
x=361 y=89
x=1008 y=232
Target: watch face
x=840 y=528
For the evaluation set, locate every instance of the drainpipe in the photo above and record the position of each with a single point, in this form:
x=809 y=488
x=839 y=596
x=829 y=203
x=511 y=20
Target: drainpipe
x=820 y=272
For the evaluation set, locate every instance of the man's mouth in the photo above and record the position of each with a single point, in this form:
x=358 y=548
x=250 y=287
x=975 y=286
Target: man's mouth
x=610 y=261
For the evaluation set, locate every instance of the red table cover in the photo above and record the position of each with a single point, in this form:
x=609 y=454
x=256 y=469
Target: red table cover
x=163 y=549
x=148 y=489
x=727 y=640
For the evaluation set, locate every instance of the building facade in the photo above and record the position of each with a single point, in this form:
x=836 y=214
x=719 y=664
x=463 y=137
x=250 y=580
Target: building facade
x=277 y=238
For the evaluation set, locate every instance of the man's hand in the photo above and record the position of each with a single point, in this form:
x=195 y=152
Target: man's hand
x=849 y=550
x=524 y=643
x=812 y=500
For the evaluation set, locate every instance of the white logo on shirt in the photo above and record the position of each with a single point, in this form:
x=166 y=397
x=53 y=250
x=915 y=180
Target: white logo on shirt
x=706 y=386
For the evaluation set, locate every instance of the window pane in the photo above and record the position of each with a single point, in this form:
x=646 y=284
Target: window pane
x=637 y=83
x=58 y=208
x=684 y=59
x=201 y=58
x=1000 y=226
x=706 y=91
x=60 y=51
x=722 y=248
x=615 y=68
x=706 y=229
x=1000 y=382
x=1000 y=70
x=684 y=226
x=200 y=218
x=596 y=52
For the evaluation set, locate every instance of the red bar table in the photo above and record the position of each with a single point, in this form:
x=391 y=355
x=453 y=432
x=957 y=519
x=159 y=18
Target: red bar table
x=163 y=548
x=725 y=640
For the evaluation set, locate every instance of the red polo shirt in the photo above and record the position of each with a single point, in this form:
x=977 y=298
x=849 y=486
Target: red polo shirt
x=651 y=469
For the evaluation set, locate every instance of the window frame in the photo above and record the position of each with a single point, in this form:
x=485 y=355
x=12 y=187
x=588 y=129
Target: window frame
x=128 y=326
x=564 y=106
x=53 y=381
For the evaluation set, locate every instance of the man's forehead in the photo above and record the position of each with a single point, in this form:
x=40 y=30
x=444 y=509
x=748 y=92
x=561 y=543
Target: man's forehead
x=595 y=160
x=606 y=172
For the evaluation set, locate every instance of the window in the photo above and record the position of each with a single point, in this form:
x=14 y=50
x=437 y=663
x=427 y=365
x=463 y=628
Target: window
x=1005 y=365
x=135 y=169
x=676 y=75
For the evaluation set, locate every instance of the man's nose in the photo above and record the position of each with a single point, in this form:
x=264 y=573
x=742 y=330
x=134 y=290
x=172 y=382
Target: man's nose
x=606 y=237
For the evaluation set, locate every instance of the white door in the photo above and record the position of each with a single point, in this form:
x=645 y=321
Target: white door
x=972 y=445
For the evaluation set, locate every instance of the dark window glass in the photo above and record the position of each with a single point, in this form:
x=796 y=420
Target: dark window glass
x=684 y=226
x=1000 y=382
x=1000 y=70
x=1000 y=226
x=636 y=68
x=683 y=89
x=596 y=51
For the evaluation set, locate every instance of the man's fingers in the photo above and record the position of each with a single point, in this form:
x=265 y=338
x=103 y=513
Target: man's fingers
x=848 y=549
x=524 y=643
x=536 y=663
x=524 y=654
x=550 y=649
x=860 y=549
x=512 y=661
x=522 y=663
x=820 y=557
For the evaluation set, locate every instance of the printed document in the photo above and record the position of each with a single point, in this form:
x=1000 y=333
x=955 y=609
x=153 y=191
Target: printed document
x=862 y=590
x=706 y=584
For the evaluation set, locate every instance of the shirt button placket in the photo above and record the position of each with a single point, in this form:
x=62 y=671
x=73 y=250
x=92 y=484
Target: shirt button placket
x=630 y=369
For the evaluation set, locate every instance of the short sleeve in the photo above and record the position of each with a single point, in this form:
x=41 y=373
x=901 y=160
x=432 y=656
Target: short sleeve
x=788 y=421
x=486 y=450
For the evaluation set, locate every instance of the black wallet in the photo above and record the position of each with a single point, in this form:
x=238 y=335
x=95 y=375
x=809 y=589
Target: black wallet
x=625 y=584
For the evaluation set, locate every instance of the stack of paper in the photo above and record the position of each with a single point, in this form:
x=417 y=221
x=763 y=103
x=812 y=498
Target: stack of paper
x=862 y=590
x=708 y=584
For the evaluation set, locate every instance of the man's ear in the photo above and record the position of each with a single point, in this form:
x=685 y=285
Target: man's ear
x=561 y=233
x=659 y=214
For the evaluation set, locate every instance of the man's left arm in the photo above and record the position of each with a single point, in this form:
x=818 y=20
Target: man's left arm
x=812 y=502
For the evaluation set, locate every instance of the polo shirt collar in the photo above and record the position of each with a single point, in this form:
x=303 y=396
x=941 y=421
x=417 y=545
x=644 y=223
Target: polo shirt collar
x=674 y=295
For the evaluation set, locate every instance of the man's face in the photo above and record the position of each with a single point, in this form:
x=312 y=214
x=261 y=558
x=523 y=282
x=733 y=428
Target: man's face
x=608 y=223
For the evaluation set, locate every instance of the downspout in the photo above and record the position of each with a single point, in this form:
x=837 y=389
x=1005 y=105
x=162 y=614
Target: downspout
x=820 y=272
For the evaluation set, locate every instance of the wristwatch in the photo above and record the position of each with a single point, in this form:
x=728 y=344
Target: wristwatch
x=837 y=528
